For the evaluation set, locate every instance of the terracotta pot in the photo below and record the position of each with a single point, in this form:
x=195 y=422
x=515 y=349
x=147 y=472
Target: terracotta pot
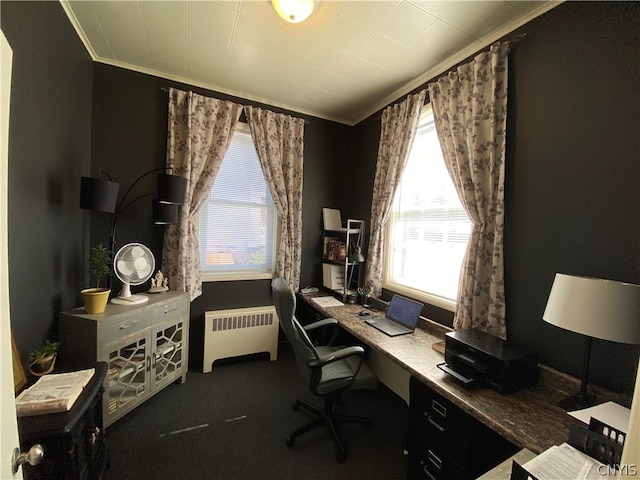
x=95 y=299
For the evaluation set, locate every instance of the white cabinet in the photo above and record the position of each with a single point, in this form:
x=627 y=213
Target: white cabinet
x=145 y=346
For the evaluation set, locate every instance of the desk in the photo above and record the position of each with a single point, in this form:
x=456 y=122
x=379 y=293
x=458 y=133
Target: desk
x=528 y=418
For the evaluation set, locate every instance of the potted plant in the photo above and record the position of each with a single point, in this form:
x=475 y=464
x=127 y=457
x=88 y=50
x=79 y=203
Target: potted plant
x=43 y=359
x=95 y=299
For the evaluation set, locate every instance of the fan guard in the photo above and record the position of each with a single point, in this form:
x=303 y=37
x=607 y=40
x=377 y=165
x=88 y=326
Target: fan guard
x=133 y=265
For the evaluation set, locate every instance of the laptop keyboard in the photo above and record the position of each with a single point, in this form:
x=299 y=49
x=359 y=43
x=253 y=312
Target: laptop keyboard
x=386 y=325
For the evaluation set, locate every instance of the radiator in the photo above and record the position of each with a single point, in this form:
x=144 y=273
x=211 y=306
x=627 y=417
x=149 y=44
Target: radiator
x=241 y=331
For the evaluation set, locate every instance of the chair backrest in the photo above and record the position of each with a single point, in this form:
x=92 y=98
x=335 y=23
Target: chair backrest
x=284 y=300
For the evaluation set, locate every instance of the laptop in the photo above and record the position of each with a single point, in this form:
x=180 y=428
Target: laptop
x=401 y=317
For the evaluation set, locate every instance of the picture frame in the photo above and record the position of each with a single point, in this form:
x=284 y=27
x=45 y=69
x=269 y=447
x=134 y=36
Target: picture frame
x=19 y=377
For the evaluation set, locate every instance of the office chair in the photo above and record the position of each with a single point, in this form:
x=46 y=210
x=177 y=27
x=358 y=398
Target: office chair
x=328 y=370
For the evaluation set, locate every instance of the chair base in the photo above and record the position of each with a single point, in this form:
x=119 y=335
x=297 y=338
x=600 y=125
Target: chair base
x=326 y=416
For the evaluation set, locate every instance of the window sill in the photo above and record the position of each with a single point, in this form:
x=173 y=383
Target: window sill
x=234 y=276
x=440 y=302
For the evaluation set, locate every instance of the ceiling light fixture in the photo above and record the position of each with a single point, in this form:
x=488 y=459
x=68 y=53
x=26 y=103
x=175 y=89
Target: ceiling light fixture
x=294 y=11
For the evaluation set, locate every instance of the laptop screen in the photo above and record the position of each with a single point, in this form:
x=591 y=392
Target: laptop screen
x=404 y=311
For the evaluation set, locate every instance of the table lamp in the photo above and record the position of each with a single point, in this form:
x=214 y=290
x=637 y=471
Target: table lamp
x=595 y=308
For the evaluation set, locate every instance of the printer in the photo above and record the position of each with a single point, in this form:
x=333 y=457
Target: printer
x=477 y=358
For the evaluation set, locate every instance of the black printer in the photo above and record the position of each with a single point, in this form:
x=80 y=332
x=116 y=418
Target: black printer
x=474 y=357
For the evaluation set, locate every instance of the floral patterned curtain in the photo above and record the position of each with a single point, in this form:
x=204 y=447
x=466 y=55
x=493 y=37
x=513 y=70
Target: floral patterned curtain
x=470 y=113
x=200 y=132
x=279 y=142
x=399 y=126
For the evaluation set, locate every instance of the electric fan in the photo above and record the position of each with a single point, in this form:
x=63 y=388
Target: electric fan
x=133 y=265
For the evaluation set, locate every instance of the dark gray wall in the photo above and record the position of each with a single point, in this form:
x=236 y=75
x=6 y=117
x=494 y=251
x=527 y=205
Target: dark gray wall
x=49 y=148
x=129 y=138
x=573 y=175
x=573 y=178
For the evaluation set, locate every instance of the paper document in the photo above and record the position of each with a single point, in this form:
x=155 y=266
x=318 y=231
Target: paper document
x=564 y=462
x=610 y=413
x=332 y=219
x=326 y=301
x=52 y=393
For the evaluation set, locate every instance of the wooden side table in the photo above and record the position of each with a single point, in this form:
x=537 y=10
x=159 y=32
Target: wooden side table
x=73 y=441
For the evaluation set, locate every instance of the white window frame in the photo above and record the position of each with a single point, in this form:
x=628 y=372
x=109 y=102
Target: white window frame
x=245 y=274
x=427 y=297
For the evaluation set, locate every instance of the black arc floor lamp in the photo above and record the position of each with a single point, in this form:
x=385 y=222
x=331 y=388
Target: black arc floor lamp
x=101 y=194
x=596 y=308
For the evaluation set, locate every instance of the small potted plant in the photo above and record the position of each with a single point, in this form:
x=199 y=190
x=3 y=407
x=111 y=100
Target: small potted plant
x=95 y=299
x=43 y=359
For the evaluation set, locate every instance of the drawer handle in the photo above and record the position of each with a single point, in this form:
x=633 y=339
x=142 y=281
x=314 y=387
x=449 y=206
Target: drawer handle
x=439 y=408
x=169 y=311
x=433 y=458
x=427 y=472
x=128 y=325
x=435 y=424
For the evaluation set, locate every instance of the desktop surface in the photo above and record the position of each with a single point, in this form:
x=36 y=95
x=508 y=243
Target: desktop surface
x=528 y=418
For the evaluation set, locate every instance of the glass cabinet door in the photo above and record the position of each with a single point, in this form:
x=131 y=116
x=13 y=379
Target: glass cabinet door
x=168 y=352
x=128 y=360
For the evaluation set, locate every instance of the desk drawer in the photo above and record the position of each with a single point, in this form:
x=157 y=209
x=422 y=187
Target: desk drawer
x=443 y=435
x=169 y=310
x=430 y=463
x=112 y=329
x=440 y=421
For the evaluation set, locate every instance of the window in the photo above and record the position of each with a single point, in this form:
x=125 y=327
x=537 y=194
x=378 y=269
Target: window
x=238 y=221
x=428 y=229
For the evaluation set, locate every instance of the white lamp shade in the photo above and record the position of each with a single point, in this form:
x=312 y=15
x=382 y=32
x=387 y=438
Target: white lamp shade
x=599 y=308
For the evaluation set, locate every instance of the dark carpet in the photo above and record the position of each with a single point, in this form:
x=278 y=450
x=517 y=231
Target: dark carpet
x=232 y=424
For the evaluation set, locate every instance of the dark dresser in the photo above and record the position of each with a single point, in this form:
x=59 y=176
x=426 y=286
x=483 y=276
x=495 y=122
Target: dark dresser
x=73 y=441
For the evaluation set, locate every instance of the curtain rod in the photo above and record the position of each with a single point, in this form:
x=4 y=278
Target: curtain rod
x=306 y=122
x=512 y=42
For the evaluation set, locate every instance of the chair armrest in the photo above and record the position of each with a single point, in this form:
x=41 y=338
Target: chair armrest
x=325 y=322
x=320 y=323
x=337 y=355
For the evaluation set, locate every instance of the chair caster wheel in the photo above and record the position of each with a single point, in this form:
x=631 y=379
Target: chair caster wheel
x=341 y=456
x=290 y=440
x=367 y=425
x=296 y=406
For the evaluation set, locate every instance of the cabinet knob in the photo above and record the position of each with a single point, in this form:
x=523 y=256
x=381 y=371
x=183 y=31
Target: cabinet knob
x=95 y=433
x=33 y=457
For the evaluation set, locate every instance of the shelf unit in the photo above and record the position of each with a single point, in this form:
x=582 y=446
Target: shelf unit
x=145 y=347
x=340 y=273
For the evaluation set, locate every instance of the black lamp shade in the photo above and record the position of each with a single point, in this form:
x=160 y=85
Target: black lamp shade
x=164 y=213
x=171 y=189
x=98 y=194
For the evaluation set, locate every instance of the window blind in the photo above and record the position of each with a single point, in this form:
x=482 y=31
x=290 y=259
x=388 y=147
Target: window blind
x=238 y=219
x=428 y=229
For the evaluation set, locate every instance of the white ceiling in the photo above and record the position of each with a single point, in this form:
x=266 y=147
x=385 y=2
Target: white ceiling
x=348 y=60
